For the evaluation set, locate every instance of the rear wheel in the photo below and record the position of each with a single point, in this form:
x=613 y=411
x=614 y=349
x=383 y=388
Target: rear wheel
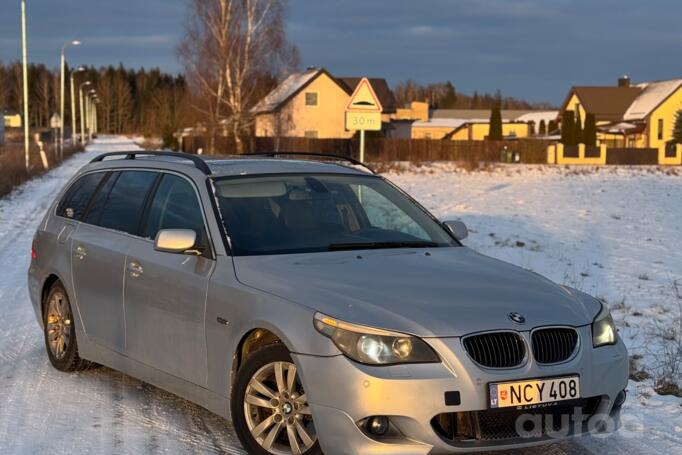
x=270 y=410
x=60 y=331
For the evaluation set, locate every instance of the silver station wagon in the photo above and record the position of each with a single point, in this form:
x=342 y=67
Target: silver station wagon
x=317 y=306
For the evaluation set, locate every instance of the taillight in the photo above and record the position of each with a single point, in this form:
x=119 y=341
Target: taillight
x=34 y=253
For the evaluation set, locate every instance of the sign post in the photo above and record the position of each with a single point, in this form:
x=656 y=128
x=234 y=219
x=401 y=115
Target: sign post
x=363 y=112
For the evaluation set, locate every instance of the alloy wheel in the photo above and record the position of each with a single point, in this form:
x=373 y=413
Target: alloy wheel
x=277 y=411
x=58 y=325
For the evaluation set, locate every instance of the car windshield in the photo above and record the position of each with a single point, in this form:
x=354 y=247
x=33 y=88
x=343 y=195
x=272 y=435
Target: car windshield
x=283 y=214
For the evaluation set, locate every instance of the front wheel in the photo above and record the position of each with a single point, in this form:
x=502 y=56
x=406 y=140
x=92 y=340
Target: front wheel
x=269 y=406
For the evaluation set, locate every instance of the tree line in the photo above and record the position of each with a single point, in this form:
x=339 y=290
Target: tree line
x=139 y=101
x=443 y=95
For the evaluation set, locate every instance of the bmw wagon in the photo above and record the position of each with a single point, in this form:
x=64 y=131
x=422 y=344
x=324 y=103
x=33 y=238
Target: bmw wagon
x=318 y=307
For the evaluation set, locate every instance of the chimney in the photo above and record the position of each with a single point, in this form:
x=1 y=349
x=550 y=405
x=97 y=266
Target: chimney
x=624 y=81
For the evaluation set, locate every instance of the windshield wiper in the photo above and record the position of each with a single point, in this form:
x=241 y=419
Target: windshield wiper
x=380 y=245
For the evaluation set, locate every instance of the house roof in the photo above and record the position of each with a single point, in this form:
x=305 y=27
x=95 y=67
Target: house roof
x=296 y=82
x=380 y=86
x=286 y=90
x=521 y=115
x=652 y=95
x=606 y=103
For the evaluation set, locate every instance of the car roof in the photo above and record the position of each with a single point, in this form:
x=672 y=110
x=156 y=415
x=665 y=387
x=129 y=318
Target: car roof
x=227 y=166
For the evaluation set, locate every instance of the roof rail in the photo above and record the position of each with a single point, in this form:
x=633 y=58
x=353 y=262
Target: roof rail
x=198 y=162
x=321 y=155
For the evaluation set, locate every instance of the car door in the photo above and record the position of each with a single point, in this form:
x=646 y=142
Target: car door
x=165 y=293
x=99 y=248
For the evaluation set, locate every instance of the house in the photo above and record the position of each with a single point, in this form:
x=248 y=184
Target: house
x=312 y=104
x=12 y=120
x=627 y=115
x=474 y=124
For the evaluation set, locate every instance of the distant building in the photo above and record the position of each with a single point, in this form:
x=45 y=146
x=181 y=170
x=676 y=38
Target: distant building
x=474 y=124
x=12 y=120
x=627 y=115
x=312 y=104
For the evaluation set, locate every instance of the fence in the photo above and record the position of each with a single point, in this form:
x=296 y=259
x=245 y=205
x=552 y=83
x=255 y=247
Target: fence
x=12 y=164
x=668 y=154
x=384 y=149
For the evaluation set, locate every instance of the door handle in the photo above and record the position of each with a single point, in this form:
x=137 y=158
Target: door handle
x=135 y=269
x=80 y=252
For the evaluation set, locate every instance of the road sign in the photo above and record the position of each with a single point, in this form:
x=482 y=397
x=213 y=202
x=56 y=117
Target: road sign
x=55 y=121
x=364 y=99
x=363 y=112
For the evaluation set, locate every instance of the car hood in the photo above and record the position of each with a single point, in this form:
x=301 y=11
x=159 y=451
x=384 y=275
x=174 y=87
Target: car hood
x=441 y=292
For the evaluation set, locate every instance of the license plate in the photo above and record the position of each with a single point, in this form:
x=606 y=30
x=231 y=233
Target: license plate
x=535 y=391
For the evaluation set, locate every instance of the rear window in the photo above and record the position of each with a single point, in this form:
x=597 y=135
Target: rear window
x=77 y=197
x=125 y=202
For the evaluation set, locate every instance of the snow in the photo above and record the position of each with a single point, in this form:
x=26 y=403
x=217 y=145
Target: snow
x=599 y=231
x=654 y=94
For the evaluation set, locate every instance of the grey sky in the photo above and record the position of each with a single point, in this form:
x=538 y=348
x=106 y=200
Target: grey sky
x=535 y=49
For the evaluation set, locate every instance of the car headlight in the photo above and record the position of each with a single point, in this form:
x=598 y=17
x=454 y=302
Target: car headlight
x=372 y=346
x=603 y=328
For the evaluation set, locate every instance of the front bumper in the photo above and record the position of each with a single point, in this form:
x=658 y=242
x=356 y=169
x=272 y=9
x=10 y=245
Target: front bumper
x=342 y=393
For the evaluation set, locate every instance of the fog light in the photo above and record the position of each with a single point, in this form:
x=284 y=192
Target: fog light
x=377 y=425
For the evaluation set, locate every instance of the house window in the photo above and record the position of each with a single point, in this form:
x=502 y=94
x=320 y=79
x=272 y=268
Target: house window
x=660 y=129
x=311 y=99
x=311 y=134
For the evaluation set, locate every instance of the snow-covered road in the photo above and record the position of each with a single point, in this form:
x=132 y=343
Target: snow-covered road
x=565 y=225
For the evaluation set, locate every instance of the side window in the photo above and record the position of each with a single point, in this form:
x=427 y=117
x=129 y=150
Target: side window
x=77 y=197
x=123 y=207
x=97 y=205
x=175 y=206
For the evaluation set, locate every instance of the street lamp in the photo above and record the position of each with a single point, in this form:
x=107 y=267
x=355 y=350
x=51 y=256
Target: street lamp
x=80 y=69
x=83 y=113
x=25 y=75
x=88 y=110
x=61 y=91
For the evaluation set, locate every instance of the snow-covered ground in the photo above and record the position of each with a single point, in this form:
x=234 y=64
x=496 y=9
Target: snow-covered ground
x=613 y=233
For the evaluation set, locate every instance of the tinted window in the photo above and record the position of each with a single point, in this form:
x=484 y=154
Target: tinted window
x=125 y=203
x=175 y=206
x=76 y=199
x=97 y=204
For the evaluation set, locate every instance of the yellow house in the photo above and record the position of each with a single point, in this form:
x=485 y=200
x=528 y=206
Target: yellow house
x=639 y=115
x=312 y=104
x=478 y=131
x=12 y=120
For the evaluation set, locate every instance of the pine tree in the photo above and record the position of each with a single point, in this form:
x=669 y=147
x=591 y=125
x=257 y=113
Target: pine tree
x=568 y=128
x=542 y=130
x=677 y=128
x=590 y=131
x=552 y=127
x=578 y=130
x=495 y=133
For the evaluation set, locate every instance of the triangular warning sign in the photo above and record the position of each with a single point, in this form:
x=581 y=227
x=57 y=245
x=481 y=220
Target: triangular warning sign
x=364 y=99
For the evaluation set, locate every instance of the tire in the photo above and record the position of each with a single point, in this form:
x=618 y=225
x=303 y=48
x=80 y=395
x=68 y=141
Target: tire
x=286 y=410
x=60 y=331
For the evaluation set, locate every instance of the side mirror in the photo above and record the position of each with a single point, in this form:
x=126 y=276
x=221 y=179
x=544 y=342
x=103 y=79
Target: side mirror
x=458 y=229
x=175 y=240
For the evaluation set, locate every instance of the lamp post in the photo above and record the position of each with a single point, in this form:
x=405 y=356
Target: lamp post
x=62 y=65
x=88 y=110
x=83 y=113
x=25 y=76
x=80 y=69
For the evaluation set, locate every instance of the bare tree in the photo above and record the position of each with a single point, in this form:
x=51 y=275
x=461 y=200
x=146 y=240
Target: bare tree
x=228 y=47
